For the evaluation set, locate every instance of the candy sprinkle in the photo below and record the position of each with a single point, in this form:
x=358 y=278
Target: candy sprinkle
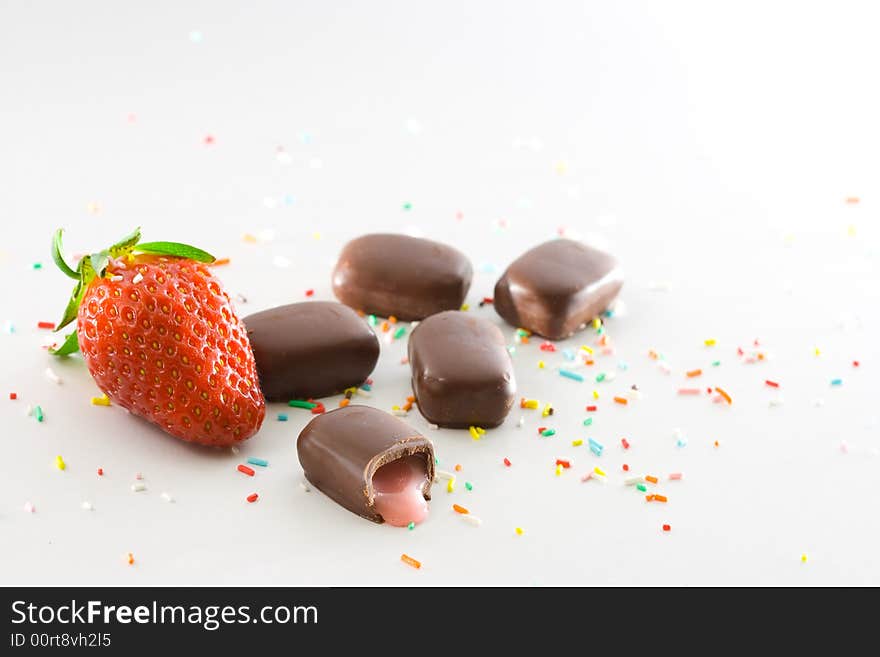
x=450 y=485
x=246 y=470
x=103 y=400
x=130 y=559
x=411 y=525
x=282 y=417
x=694 y=373
x=459 y=509
x=59 y=463
x=519 y=531
x=38 y=413
x=596 y=447
x=711 y=342
x=624 y=443
x=299 y=403
x=666 y=528
x=468 y=485
x=253 y=497
x=772 y=384
x=724 y=395
x=409 y=561
x=253 y=460
x=138 y=487
x=507 y=462
x=836 y=382
x=548 y=432
x=621 y=400
x=568 y=374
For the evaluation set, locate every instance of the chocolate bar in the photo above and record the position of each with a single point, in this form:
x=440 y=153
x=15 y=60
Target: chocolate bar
x=369 y=462
x=462 y=374
x=397 y=275
x=557 y=287
x=311 y=349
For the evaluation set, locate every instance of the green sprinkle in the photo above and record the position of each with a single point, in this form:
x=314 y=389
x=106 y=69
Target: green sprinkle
x=588 y=421
x=522 y=333
x=399 y=333
x=407 y=206
x=38 y=413
x=38 y=265
x=282 y=417
x=411 y=526
x=716 y=363
x=253 y=460
x=468 y=485
x=568 y=374
x=511 y=350
x=367 y=387
x=600 y=330
x=642 y=487
x=548 y=432
x=372 y=320
x=299 y=403
x=600 y=377
x=436 y=461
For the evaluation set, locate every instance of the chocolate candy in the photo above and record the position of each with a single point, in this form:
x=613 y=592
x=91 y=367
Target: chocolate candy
x=407 y=277
x=310 y=350
x=341 y=452
x=462 y=375
x=557 y=287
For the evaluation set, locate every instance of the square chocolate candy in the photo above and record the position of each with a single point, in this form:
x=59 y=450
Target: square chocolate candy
x=557 y=287
x=462 y=374
x=407 y=277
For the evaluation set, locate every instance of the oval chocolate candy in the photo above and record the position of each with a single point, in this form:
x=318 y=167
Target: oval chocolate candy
x=369 y=462
x=407 y=277
x=311 y=349
x=557 y=287
x=462 y=374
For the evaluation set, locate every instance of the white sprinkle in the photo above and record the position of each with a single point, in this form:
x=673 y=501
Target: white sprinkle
x=818 y=403
x=87 y=506
x=29 y=508
x=234 y=449
x=138 y=487
x=634 y=394
x=610 y=376
x=522 y=421
x=305 y=486
x=664 y=367
x=281 y=261
x=443 y=474
x=167 y=497
x=632 y=481
x=776 y=401
x=435 y=427
x=364 y=393
x=471 y=520
x=29 y=410
x=399 y=412
x=117 y=278
x=413 y=126
x=137 y=278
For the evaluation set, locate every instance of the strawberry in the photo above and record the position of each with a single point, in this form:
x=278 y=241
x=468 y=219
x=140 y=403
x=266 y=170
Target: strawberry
x=161 y=339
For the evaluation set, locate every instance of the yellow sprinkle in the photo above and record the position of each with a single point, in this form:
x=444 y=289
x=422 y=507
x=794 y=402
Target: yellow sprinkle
x=589 y=350
x=316 y=235
x=597 y=322
x=577 y=443
x=558 y=470
x=450 y=485
x=710 y=342
x=540 y=364
x=519 y=531
x=561 y=168
x=59 y=463
x=465 y=306
x=599 y=471
x=595 y=394
x=474 y=433
x=803 y=558
x=532 y=403
x=816 y=351
x=395 y=408
x=103 y=400
x=547 y=409
x=851 y=230
x=247 y=237
x=481 y=431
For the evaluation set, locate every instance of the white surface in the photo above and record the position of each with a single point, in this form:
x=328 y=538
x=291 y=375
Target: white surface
x=711 y=148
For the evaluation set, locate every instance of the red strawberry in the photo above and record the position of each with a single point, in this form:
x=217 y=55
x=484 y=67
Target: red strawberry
x=161 y=338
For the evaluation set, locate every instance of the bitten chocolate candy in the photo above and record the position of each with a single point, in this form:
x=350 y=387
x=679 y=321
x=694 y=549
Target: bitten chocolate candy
x=462 y=374
x=342 y=451
x=557 y=287
x=408 y=277
x=311 y=349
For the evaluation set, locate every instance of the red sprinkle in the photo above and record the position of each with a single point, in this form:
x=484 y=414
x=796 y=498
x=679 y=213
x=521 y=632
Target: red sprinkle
x=253 y=497
x=625 y=443
x=548 y=346
x=100 y=472
x=540 y=429
x=46 y=325
x=772 y=384
x=666 y=528
x=246 y=470
x=209 y=139
x=310 y=293
x=564 y=464
x=488 y=300
x=591 y=409
x=507 y=461
x=13 y=395
x=855 y=363
x=625 y=467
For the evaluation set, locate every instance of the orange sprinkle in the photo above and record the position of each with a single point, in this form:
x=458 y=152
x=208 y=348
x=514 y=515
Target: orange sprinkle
x=694 y=373
x=458 y=467
x=621 y=400
x=651 y=478
x=408 y=560
x=659 y=498
x=220 y=261
x=407 y=406
x=361 y=313
x=852 y=200
x=653 y=354
x=589 y=362
x=392 y=319
x=459 y=509
x=130 y=559
x=724 y=394
x=385 y=327
x=344 y=402
x=716 y=443
x=649 y=498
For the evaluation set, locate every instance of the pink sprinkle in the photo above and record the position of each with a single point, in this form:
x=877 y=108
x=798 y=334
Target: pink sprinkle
x=675 y=476
x=459 y=215
x=688 y=391
x=404 y=360
x=139 y=476
x=209 y=139
x=29 y=508
x=587 y=476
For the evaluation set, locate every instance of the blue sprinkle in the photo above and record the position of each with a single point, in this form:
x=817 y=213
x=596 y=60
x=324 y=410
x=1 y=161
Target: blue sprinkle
x=608 y=313
x=253 y=460
x=623 y=365
x=282 y=417
x=367 y=387
x=837 y=382
x=487 y=268
x=682 y=442
x=596 y=447
x=568 y=353
x=571 y=375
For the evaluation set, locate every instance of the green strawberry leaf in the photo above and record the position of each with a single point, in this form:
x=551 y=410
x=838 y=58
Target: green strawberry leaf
x=70 y=346
x=58 y=255
x=176 y=250
x=99 y=262
x=72 y=306
x=126 y=244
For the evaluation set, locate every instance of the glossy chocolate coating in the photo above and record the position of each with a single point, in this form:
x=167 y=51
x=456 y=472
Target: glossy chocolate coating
x=341 y=450
x=557 y=287
x=462 y=374
x=310 y=350
x=408 y=277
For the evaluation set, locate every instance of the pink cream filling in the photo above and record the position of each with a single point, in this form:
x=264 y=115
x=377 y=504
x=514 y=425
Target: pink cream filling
x=398 y=491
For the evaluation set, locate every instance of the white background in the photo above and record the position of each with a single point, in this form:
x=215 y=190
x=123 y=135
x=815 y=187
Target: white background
x=710 y=145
